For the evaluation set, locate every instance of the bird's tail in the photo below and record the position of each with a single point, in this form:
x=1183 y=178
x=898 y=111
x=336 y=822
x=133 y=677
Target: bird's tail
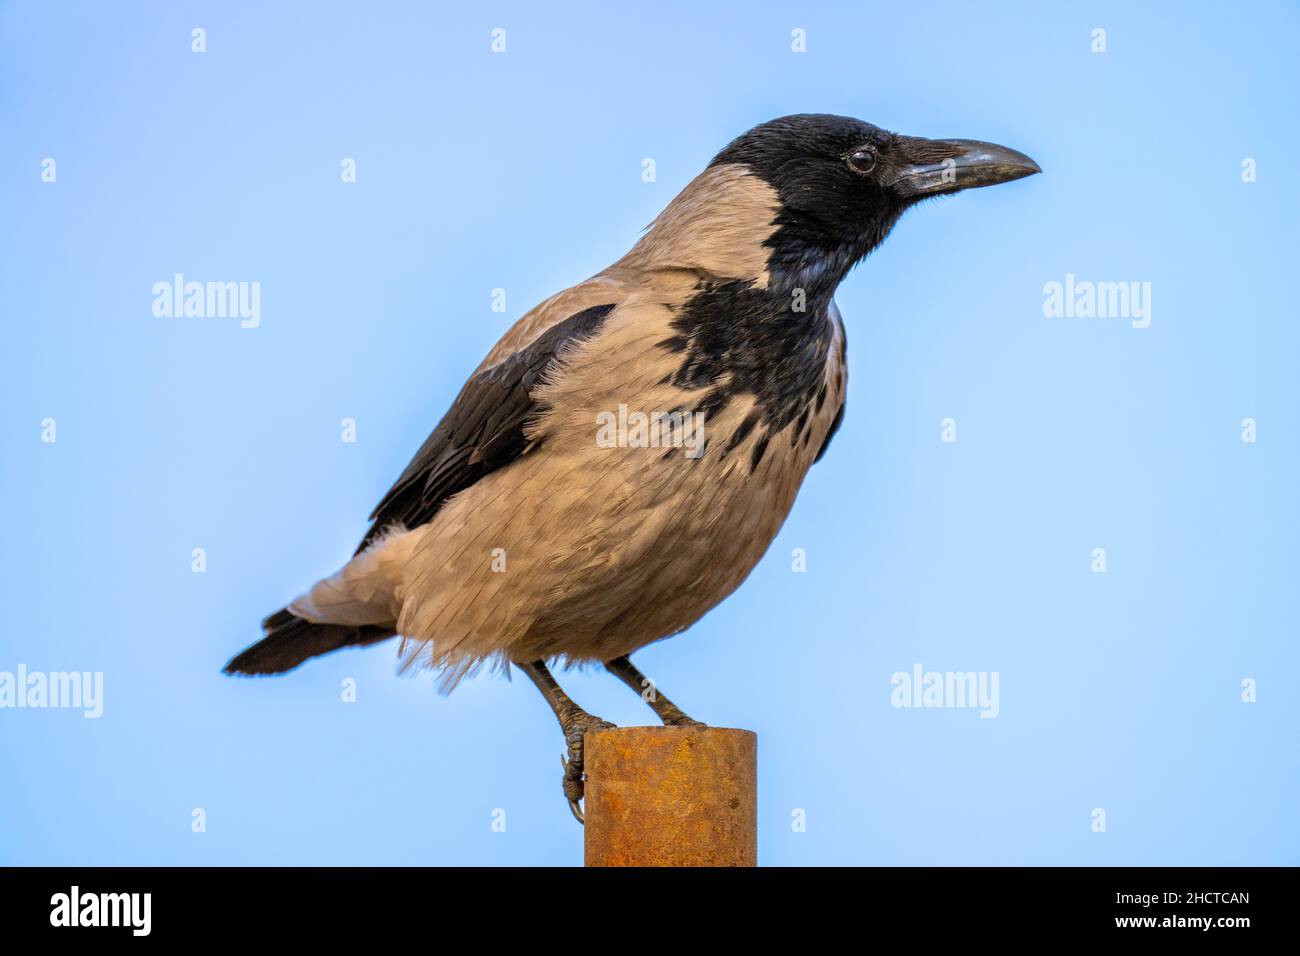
x=289 y=640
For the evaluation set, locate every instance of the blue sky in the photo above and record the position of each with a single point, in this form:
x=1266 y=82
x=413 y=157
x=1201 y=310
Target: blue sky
x=1119 y=691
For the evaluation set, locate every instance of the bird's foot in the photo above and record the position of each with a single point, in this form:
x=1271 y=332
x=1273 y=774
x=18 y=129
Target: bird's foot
x=672 y=715
x=574 y=733
x=683 y=721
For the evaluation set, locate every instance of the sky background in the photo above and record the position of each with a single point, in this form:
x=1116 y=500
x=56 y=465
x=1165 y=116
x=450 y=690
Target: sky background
x=475 y=171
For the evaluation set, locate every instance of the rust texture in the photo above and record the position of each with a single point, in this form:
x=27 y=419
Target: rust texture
x=671 y=796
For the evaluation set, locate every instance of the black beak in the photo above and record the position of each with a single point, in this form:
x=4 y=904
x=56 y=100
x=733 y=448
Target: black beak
x=951 y=165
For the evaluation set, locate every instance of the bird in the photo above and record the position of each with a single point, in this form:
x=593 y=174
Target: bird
x=624 y=455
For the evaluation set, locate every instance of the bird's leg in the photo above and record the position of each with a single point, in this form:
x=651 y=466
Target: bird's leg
x=669 y=713
x=575 y=723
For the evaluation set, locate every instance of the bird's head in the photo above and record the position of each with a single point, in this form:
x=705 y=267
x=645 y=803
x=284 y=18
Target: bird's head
x=841 y=185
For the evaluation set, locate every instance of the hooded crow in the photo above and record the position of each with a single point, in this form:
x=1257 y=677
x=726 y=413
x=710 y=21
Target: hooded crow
x=625 y=454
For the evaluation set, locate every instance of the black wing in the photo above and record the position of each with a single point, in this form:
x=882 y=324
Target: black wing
x=482 y=431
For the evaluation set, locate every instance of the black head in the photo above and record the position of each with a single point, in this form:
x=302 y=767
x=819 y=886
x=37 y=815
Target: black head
x=843 y=184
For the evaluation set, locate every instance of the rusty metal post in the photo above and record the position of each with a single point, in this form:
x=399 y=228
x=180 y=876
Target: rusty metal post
x=671 y=796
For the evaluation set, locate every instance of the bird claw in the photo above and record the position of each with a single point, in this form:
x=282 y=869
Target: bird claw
x=572 y=782
x=684 y=721
x=576 y=809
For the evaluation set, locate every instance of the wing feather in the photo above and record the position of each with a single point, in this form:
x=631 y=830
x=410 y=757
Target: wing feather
x=485 y=428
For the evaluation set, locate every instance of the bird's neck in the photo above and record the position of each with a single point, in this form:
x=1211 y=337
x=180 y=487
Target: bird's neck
x=807 y=277
x=755 y=288
x=729 y=225
x=717 y=227
x=740 y=337
x=816 y=256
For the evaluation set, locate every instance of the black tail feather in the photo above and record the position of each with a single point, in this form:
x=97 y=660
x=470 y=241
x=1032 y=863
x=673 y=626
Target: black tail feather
x=290 y=640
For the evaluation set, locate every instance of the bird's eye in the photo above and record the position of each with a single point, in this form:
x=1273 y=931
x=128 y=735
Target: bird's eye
x=862 y=160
